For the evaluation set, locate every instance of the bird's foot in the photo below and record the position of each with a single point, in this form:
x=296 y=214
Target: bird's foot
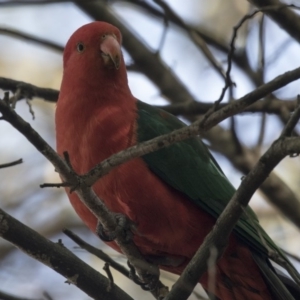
x=123 y=224
x=147 y=279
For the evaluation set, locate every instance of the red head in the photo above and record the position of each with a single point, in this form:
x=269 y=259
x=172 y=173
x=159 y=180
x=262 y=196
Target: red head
x=92 y=54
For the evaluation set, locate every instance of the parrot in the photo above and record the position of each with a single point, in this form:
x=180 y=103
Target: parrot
x=173 y=196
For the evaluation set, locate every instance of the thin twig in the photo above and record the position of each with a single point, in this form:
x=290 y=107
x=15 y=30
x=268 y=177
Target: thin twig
x=28 y=90
x=293 y=256
x=197 y=127
x=57 y=185
x=109 y=276
x=10 y=164
x=273 y=106
x=224 y=225
x=149 y=272
x=195 y=37
x=292 y=122
x=32 y=2
x=261 y=74
x=6 y=296
x=97 y=252
x=228 y=81
x=31 y=38
x=28 y=102
x=47 y=296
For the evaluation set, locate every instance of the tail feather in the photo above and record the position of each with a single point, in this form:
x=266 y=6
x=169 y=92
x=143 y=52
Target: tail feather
x=276 y=283
x=293 y=288
x=238 y=276
x=247 y=275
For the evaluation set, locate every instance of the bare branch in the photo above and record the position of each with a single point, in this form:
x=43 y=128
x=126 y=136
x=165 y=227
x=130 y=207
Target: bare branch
x=58 y=258
x=6 y=296
x=224 y=225
x=274 y=188
x=85 y=194
x=198 y=127
x=10 y=164
x=30 y=38
x=292 y=122
x=209 y=37
x=196 y=38
x=97 y=252
x=88 y=196
x=28 y=90
x=148 y=62
x=282 y=14
x=272 y=106
x=32 y=2
x=109 y=276
x=276 y=184
x=228 y=81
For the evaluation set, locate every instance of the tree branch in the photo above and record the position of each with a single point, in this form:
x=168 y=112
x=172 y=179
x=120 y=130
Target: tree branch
x=88 y=196
x=269 y=106
x=284 y=16
x=148 y=62
x=32 y=2
x=195 y=37
x=58 y=258
x=248 y=99
x=28 y=90
x=274 y=106
x=275 y=190
x=85 y=194
x=225 y=223
x=203 y=124
x=30 y=38
x=240 y=57
x=10 y=164
x=5 y=296
x=97 y=252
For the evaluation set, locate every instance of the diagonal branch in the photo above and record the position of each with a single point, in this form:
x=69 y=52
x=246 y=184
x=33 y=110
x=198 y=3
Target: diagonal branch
x=284 y=16
x=58 y=258
x=85 y=194
x=12 y=163
x=225 y=223
x=31 y=2
x=148 y=62
x=274 y=188
x=274 y=106
x=6 y=296
x=234 y=108
x=240 y=57
x=270 y=106
x=198 y=127
x=196 y=38
x=97 y=252
x=31 y=38
x=28 y=90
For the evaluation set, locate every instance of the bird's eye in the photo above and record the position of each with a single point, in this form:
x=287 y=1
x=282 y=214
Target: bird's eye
x=80 y=47
x=104 y=36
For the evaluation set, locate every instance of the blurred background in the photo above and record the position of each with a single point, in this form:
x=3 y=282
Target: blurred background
x=265 y=51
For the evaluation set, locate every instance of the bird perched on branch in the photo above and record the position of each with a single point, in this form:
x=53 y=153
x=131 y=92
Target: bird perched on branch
x=172 y=196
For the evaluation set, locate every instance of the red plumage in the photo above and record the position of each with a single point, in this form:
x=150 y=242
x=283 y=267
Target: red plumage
x=95 y=118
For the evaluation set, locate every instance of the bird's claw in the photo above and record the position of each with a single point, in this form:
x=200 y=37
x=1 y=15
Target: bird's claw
x=123 y=224
x=148 y=282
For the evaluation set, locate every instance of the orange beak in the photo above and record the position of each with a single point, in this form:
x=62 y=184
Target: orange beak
x=111 y=52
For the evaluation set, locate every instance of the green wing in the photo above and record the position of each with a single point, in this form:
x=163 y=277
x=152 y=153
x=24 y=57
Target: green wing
x=189 y=167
